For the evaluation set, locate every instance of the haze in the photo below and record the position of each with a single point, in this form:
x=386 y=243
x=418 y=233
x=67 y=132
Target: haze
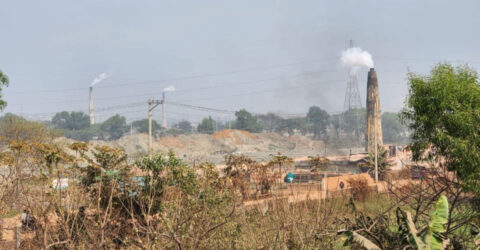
x=280 y=56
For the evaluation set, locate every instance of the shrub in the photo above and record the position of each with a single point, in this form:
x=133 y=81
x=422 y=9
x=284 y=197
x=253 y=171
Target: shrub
x=359 y=188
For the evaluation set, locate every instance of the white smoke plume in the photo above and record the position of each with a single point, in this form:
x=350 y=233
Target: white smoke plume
x=355 y=58
x=169 y=89
x=99 y=78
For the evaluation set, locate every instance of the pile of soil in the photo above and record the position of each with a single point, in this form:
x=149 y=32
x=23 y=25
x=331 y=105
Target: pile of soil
x=214 y=147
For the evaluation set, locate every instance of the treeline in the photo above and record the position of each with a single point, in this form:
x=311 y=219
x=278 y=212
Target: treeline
x=347 y=127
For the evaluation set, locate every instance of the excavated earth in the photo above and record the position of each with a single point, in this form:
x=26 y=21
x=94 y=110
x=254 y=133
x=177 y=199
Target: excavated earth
x=214 y=147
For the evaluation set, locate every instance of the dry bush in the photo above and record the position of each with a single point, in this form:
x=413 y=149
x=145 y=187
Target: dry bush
x=359 y=188
x=420 y=195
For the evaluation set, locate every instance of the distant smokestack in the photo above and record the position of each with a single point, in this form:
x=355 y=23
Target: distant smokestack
x=374 y=122
x=164 y=105
x=90 y=108
x=164 y=111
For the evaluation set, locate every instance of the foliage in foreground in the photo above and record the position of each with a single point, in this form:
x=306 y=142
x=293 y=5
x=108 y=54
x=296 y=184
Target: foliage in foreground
x=431 y=238
x=178 y=206
x=443 y=111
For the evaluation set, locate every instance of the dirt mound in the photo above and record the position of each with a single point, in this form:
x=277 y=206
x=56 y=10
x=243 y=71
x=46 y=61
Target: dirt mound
x=237 y=136
x=213 y=148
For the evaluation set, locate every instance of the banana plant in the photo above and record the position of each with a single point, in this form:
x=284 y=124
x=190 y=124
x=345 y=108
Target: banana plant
x=354 y=237
x=432 y=237
x=475 y=230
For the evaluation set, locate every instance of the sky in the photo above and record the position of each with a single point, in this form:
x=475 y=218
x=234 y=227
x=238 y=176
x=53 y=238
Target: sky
x=264 y=56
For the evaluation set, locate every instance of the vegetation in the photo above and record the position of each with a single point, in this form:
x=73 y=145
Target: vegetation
x=443 y=111
x=246 y=121
x=393 y=129
x=383 y=163
x=317 y=120
x=160 y=202
x=207 y=126
x=184 y=126
x=318 y=163
x=344 y=127
x=429 y=238
x=71 y=120
x=115 y=127
x=141 y=126
x=353 y=122
x=4 y=81
x=359 y=189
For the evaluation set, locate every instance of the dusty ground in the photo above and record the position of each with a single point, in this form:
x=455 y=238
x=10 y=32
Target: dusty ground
x=213 y=148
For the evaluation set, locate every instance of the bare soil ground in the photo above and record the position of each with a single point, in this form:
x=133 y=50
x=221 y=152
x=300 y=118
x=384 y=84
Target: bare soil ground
x=214 y=147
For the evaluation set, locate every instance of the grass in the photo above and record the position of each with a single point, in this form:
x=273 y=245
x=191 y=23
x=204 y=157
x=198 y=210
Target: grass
x=12 y=213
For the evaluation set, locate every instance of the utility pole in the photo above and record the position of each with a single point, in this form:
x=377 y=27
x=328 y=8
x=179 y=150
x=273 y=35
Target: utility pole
x=151 y=105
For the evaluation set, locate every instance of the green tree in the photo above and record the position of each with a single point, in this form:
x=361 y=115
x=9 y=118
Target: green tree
x=115 y=126
x=3 y=82
x=392 y=128
x=270 y=122
x=246 y=121
x=291 y=125
x=443 y=112
x=317 y=119
x=353 y=121
x=383 y=163
x=318 y=163
x=185 y=126
x=71 y=120
x=85 y=134
x=207 y=126
x=142 y=126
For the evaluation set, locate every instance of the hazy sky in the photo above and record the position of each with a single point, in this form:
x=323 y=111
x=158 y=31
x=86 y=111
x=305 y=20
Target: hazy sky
x=280 y=56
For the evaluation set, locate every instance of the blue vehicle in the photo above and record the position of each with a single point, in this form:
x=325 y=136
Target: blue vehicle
x=289 y=177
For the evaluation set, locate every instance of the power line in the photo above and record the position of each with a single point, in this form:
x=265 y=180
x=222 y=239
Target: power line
x=181 y=90
x=423 y=59
x=202 y=108
x=176 y=78
x=260 y=91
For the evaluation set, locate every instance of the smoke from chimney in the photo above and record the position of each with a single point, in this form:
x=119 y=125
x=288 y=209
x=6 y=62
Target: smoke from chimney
x=355 y=58
x=91 y=112
x=374 y=123
x=169 y=89
x=98 y=79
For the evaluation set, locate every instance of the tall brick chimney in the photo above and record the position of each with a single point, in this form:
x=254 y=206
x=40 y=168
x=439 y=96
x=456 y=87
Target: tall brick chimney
x=374 y=121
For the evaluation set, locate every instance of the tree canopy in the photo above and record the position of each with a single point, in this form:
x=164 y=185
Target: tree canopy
x=4 y=81
x=185 y=126
x=443 y=111
x=71 y=120
x=317 y=119
x=115 y=126
x=246 y=121
x=393 y=129
x=207 y=126
x=270 y=122
x=142 y=126
x=290 y=125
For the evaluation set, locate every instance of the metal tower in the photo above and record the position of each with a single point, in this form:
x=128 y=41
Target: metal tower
x=352 y=103
x=352 y=94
